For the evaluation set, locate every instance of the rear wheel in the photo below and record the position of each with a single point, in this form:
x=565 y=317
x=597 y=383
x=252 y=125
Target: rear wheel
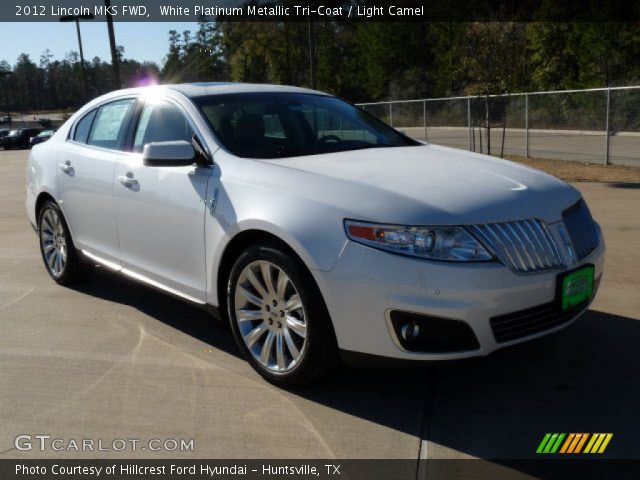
x=278 y=317
x=60 y=257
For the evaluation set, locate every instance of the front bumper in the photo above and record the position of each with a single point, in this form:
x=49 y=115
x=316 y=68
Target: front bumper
x=366 y=285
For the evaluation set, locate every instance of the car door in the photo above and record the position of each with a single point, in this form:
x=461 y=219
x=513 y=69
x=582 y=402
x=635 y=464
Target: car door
x=86 y=164
x=160 y=210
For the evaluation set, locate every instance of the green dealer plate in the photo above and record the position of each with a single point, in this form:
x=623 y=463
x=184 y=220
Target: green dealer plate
x=577 y=287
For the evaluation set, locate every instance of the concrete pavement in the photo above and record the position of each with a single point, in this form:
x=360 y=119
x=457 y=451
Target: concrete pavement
x=114 y=359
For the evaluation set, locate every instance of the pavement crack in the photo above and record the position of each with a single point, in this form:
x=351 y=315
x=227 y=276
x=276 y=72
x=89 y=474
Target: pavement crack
x=17 y=299
x=7 y=451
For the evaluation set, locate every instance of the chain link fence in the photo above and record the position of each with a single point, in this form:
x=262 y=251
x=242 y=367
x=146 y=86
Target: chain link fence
x=600 y=125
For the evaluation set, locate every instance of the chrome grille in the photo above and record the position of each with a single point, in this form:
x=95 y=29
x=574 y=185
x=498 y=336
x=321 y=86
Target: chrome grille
x=525 y=246
x=581 y=228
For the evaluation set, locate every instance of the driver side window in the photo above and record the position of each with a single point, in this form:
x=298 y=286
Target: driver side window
x=161 y=122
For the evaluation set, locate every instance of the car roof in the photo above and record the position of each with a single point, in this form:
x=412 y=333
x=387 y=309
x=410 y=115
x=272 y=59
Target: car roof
x=212 y=88
x=200 y=89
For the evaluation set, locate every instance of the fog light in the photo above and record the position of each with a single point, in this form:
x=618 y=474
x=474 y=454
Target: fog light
x=410 y=331
x=417 y=332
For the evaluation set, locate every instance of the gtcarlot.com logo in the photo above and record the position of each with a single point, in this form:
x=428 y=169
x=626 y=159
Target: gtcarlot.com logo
x=43 y=442
x=572 y=443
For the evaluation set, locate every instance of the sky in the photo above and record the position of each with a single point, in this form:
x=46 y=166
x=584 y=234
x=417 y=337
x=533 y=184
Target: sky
x=141 y=40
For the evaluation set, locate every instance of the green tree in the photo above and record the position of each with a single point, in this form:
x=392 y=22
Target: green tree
x=173 y=60
x=493 y=60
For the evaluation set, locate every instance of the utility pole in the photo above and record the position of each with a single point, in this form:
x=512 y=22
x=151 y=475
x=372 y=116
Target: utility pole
x=312 y=59
x=76 y=19
x=115 y=62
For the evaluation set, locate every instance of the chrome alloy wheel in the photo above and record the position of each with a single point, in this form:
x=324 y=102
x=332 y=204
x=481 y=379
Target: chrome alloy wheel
x=53 y=242
x=270 y=316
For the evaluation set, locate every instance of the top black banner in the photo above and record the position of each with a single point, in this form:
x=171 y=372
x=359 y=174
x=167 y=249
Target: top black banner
x=324 y=10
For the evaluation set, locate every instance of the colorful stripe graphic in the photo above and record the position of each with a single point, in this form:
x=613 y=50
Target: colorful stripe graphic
x=574 y=443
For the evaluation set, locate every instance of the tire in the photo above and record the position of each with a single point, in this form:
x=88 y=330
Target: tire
x=282 y=328
x=60 y=257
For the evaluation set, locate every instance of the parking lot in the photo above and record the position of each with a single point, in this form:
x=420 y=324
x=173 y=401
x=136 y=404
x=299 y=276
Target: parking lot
x=114 y=359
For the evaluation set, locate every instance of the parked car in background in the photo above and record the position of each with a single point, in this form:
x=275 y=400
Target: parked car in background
x=316 y=230
x=19 y=138
x=4 y=133
x=43 y=136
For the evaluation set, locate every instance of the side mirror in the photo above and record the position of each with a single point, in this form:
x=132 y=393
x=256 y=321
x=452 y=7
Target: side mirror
x=168 y=154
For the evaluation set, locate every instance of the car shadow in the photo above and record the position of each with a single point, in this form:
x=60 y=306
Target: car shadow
x=581 y=379
x=183 y=316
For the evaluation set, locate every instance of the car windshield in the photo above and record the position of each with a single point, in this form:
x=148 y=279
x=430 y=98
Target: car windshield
x=276 y=125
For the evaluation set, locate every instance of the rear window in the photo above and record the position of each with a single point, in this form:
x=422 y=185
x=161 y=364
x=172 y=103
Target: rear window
x=109 y=125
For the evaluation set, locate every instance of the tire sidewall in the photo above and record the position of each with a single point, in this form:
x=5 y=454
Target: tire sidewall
x=71 y=258
x=314 y=321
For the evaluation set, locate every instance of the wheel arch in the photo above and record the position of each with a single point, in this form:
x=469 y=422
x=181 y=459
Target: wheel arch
x=239 y=243
x=42 y=197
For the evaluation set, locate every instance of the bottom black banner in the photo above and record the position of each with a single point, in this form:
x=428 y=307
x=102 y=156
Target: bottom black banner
x=318 y=469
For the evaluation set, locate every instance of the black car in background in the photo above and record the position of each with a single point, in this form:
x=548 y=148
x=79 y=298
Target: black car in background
x=4 y=133
x=19 y=138
x=43 y=136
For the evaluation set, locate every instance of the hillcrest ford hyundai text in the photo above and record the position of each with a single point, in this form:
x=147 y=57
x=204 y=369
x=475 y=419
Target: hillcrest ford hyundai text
x=315 y=229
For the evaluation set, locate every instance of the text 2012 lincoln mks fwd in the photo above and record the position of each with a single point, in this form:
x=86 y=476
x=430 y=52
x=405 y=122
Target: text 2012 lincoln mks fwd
x=317 y=230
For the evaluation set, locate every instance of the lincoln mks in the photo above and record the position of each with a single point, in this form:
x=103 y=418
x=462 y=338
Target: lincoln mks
x=317 y=231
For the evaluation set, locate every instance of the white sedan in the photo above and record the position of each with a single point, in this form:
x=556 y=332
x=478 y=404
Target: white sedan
x=316 y=230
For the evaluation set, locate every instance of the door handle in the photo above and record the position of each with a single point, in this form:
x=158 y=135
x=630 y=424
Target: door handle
x=127 y=180
x=66 y=167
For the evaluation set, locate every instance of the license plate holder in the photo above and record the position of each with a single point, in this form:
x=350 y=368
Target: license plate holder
x=575 y=287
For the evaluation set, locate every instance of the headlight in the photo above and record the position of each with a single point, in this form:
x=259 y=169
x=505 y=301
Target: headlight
x=453 y=244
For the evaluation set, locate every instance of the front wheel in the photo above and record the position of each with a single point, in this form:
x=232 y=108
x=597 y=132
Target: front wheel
x=278 y=317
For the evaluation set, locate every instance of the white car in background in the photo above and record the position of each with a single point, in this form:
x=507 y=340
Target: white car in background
x=316 y=229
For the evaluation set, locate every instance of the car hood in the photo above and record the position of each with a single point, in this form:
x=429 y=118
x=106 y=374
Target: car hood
x=429 y=184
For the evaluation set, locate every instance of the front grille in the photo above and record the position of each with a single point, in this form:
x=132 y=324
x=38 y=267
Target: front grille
x=532 y=320
x=525 y=246
x=581 y=228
